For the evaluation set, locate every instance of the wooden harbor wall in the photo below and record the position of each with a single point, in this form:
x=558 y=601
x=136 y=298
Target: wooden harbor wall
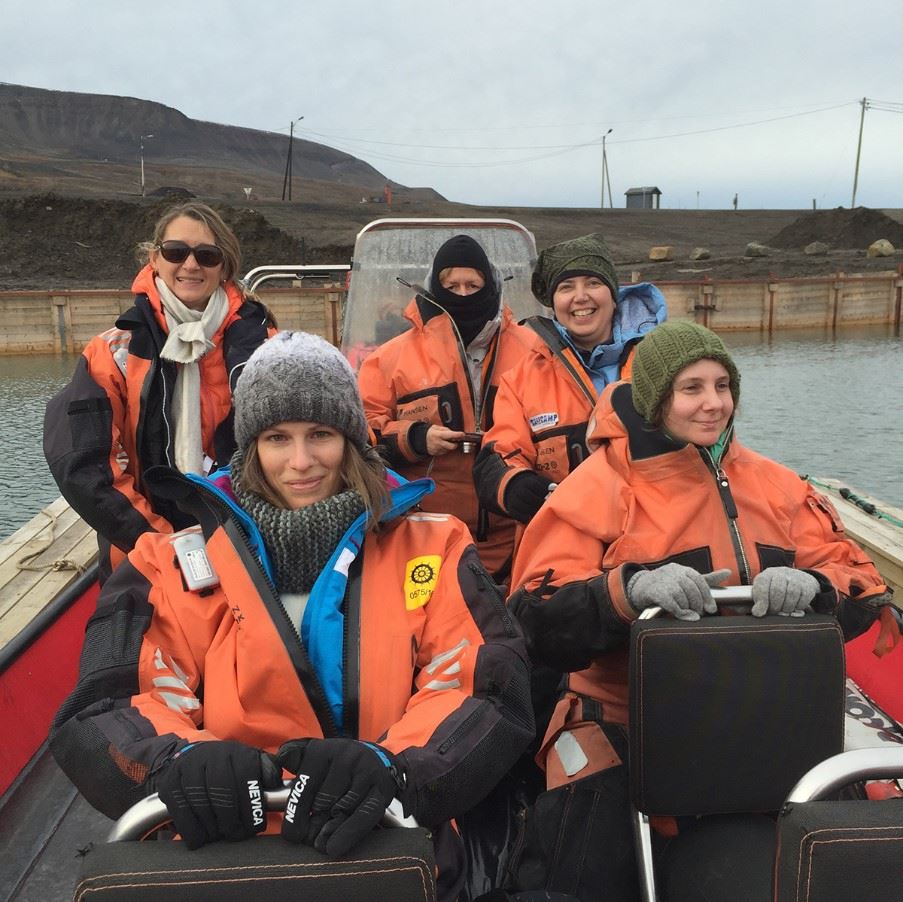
x=827 y=302
x=57 y=321
x=36 y=322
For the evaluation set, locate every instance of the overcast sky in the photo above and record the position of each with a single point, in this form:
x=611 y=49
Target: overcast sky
x=506 y=101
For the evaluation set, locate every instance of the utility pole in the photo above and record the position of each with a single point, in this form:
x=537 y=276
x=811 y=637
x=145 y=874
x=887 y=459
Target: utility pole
x=864 y=102
x=605 y=178
x=141 y=141
x=287 y=180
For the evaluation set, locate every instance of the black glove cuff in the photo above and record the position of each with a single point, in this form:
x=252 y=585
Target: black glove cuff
x=826 y=599
x=395 y=767
x=417 y=438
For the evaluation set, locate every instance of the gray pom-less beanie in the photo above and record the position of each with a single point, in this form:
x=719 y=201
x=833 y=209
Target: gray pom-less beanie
x=297 y=376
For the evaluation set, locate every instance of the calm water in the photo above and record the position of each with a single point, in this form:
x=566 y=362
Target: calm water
x=826 y=405
x=823 y=404
x=26 y=485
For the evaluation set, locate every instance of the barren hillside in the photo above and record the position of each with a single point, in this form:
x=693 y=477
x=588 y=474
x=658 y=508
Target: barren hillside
x=91 y=143
x=71 y=212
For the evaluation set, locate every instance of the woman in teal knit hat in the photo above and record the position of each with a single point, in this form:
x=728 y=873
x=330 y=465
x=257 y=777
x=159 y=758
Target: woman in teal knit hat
x=668 y=504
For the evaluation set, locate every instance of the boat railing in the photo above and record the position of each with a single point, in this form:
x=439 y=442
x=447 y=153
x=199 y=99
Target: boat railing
x=150 y=814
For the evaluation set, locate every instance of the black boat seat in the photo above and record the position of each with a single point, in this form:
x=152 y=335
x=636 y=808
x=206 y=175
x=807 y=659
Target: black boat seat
x=395 y=862
x=834 y=851
x=726 y=715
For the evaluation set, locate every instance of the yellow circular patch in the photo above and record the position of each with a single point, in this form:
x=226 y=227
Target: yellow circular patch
x=421 y=574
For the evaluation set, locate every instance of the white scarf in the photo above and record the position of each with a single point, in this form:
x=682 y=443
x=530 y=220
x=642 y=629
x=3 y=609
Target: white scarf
x=190 y=334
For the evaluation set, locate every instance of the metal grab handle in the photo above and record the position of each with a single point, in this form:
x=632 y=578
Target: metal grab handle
x=844 y=768
x=723 y=595
x=732 y=594
x=151 y=814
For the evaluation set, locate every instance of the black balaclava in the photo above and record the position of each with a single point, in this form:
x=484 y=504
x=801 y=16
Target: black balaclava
x=470 y=312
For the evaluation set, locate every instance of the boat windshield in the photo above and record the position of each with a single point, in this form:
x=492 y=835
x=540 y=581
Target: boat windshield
x=391 y=248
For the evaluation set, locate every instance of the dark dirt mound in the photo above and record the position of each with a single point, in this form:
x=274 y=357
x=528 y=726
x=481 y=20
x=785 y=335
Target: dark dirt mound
x=840 y=228
x=49 y=241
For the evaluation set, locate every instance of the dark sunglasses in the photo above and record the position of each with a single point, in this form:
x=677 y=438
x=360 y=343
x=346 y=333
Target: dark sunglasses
x=207 y=255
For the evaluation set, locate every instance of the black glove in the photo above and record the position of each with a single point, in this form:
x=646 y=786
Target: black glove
x=525 y=494
x=214 y=790
x=340 y=793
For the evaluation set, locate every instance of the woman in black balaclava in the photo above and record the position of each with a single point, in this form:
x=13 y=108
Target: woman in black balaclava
x=426 y=389
x=463 y=282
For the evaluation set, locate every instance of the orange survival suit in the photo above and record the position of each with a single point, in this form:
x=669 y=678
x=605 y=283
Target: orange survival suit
x=422 y=376
x=419 y=655
x=640 y=500
x=112 y=421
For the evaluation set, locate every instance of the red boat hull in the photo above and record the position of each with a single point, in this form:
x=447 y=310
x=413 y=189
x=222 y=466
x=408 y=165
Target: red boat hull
x=34 y=684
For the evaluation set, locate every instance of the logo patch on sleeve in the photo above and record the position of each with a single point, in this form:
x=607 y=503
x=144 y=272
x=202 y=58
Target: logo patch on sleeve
x=543 y=421
x=421 y=574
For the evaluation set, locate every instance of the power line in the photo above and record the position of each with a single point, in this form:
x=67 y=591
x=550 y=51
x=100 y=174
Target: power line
x=596 y=141
x=533 y=125
x=723 y=128
x=553 y=150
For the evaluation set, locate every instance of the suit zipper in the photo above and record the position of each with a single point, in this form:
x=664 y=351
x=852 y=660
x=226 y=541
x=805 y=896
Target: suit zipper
x=464 y=727
x=496 y=601
x=320 y=704
x=730 y=510
x=462 y=353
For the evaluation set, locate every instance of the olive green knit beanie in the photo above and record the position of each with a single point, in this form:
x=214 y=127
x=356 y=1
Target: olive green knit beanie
x=588 y=255
x=664 y=352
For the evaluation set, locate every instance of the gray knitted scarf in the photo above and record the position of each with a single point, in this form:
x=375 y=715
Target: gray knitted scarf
x=300 y=542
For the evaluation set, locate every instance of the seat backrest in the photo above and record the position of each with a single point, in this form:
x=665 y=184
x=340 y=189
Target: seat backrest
x=841 y=850
x=833 y=851
x=727 y=713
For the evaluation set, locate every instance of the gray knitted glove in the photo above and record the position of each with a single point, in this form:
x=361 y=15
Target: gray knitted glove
x=784 y=591
x=679 y=590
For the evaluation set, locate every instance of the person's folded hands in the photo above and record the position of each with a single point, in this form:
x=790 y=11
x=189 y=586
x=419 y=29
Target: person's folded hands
x=678 y=590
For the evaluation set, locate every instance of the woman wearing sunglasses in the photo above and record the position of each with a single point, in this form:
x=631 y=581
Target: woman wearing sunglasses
x=157 y=387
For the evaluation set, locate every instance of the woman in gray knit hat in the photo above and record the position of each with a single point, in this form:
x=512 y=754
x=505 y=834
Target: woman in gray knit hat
x=318 y=624
x=668 y=505
x=544 y=402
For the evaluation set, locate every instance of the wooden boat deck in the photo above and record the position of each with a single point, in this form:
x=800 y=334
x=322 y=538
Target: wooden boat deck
x=880 y=538
x=37 y=562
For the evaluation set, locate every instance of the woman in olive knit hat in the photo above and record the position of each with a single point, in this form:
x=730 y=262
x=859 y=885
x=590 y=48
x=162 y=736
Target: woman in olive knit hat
x=544 y=402
x=667 y=505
